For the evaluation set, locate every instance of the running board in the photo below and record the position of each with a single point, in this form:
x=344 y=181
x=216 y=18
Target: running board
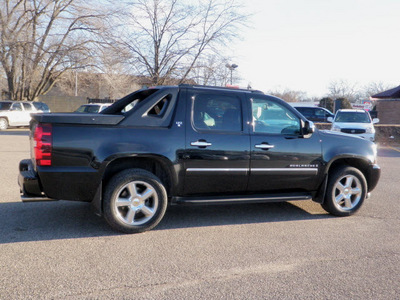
x=36 y=199
x=241 y=199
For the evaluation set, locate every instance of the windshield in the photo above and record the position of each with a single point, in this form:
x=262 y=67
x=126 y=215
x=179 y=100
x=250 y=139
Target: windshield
x=352 y=117
x=5 y=105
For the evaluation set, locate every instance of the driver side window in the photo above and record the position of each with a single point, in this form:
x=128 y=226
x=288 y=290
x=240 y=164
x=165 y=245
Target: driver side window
x=272 y=118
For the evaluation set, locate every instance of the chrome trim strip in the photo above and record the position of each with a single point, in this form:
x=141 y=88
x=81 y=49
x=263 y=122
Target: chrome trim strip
x=310 y=170
x=217 y=170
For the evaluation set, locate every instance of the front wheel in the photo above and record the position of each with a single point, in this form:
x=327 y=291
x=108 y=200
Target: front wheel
x=346 y=191
x=134 y=201
x=3 y=124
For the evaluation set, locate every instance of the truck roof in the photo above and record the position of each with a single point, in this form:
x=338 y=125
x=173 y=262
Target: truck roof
x=220 y=88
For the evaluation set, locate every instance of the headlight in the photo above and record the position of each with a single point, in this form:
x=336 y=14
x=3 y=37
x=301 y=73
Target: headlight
x=335 y=128
x=370 y=129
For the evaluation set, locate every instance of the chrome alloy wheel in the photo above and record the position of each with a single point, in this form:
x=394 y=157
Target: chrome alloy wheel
x=347 y=192
x=136 y=203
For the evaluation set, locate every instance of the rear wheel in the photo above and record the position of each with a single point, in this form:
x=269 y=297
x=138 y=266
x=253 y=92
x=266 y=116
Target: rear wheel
x=346 y=191
x=3 y=124
x=134 y=201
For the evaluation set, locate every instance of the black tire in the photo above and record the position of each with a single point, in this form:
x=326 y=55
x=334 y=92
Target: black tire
x=346 y=191
x=3 y=124
x=134 y=201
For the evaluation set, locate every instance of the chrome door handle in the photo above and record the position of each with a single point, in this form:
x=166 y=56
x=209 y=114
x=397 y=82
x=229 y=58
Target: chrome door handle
x=200 y=144
x=264 y=146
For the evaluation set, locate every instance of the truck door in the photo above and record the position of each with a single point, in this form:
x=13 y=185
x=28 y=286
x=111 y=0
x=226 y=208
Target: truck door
x=217 y=156
x=281 y=159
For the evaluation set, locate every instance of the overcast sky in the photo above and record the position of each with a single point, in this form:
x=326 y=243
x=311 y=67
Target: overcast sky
x=306 y=44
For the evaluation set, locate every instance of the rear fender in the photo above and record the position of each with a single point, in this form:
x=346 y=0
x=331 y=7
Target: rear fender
x=159 y=166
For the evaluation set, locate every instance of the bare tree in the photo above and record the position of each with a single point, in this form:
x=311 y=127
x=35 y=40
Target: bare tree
x=3 y=84
x=289 y=95
x=374 y=88
x=212 y=70
x=115 y=72
x=41 y=39
x=343 y=89
x=167 y=38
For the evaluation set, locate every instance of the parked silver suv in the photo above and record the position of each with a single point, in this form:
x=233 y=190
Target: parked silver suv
x=354 y=121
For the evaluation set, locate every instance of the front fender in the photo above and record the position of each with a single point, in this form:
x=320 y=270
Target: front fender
x=342 y=146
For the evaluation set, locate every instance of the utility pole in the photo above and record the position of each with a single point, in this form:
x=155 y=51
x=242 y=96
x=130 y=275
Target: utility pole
x=231 y=68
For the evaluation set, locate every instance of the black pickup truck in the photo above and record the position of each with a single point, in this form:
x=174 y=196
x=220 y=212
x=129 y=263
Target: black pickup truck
x=193 y=145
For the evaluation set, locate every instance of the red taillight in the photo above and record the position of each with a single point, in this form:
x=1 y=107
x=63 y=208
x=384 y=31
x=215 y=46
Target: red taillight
x=43 y=144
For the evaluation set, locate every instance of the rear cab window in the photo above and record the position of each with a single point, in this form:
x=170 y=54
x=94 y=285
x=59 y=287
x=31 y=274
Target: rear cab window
x=150 y=107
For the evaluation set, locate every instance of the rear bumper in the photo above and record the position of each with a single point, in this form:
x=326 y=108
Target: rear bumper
x=29 y=183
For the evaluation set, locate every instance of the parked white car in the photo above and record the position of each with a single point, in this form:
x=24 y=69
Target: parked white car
x=354 y=121
x=15 y=113
x=92 y=108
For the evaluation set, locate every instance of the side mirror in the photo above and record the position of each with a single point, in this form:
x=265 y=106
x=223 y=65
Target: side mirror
x=375 y=121
x=309 y=127
x=330 y=119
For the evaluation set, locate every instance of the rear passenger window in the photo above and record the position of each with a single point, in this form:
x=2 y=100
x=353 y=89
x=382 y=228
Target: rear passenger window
x=216 y=112
x=27 y=106
x=160 y=107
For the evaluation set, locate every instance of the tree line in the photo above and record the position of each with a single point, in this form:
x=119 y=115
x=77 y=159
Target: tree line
x=340 y=89
x=164 y=40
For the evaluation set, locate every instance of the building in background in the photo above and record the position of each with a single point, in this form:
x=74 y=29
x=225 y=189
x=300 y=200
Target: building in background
x=388 y=106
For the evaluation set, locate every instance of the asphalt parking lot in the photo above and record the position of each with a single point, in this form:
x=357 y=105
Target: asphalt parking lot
x=293 y=250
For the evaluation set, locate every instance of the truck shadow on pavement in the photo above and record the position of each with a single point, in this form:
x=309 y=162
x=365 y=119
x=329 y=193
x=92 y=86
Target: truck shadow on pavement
x=25 y=222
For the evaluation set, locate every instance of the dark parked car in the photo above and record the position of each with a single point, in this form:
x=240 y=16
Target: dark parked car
x=315 y=114
x=42 y=107
x=193 y=145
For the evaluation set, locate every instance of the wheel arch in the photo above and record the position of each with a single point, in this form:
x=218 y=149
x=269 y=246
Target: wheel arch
x=359 y=163
x=159 y=166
